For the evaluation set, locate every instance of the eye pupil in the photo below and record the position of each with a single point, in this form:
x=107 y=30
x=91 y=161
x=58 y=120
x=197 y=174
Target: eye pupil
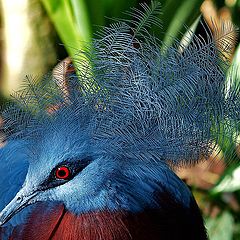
x=62 y=172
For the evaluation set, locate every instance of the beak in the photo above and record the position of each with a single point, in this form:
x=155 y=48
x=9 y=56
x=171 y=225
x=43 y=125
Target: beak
x=20 y=201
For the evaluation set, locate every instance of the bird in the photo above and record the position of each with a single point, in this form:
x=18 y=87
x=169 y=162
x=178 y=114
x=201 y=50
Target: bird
x=91 y=152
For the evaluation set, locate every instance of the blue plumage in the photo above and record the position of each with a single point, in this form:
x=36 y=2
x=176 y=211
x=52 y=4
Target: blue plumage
x=133 y=109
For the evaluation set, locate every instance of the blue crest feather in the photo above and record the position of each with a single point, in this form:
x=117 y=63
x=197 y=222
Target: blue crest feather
x=133 y=98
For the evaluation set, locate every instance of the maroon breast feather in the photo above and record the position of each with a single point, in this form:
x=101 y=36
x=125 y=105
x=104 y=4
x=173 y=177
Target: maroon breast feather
x=171 y=221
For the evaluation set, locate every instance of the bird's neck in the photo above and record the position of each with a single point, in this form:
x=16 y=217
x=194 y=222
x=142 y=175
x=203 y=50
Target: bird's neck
x=131 y=188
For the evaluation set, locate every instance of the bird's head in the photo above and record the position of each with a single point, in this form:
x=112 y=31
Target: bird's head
x=63 y=167
x=68 y=167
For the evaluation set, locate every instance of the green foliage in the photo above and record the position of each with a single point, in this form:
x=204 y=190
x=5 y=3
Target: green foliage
x=221 y=227
x=74 y=19
x=176 y=14
x=71 y=21
x=230 y=181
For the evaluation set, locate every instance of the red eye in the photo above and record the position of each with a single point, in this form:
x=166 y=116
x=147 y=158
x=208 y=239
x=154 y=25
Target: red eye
x=62 y=173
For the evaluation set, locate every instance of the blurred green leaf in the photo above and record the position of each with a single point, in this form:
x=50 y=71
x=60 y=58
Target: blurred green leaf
x=236 y=231
x=176 y=14
x=221 y=227
x=102 y=12
x=71 y=21
x=227 y=140
x=81 y=18
x=236 y=58
x=230 y=182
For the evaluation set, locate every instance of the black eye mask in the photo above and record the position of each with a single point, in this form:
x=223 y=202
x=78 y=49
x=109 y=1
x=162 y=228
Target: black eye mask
x=64 y=172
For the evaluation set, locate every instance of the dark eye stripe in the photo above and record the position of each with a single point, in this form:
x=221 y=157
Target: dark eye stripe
x=74 y=166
